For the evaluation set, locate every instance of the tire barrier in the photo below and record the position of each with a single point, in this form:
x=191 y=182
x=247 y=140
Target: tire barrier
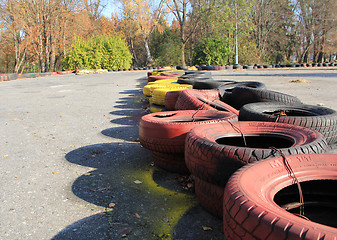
x=148 y=89
x=65 y=72
x=244 y=95
x=153 y=78
x=8 y=76
x=165 y=132
x=210 y=84
x=261 y=200
x=321 y=119
x=28 y=75
x=226 y=90
x=172 y=162
x=158 y=94
x=171 y=98
x=154 y=108
x=197 y=99
x=213 y=152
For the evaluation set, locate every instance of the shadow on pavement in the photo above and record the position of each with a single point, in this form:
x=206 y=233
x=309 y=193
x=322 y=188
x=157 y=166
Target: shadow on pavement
x=140 y=201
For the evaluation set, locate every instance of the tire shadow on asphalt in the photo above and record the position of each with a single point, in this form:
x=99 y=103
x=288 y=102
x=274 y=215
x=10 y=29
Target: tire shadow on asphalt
x=140 y=200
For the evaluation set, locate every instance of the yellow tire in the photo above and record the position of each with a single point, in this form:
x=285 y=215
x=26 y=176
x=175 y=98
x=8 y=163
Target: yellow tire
x=169 y=80
x=147 y=89
x=158 y=96
x=156 y=108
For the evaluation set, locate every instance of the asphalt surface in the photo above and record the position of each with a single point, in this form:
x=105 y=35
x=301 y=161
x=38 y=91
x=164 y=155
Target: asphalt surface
x=72 y=166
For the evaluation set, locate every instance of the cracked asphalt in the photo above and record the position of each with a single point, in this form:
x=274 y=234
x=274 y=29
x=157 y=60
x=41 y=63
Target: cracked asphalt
x=72 y=166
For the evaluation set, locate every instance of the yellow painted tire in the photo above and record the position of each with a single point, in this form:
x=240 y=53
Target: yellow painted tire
x=147 y=89
x=169 y=80
x=156 y=108
x=159 y=94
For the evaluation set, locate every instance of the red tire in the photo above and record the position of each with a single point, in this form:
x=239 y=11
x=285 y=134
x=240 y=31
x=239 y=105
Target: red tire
x=172 y=162
x=170 y=74
x=171 y=98
x=166 y=131
x=210 y=196
x=153 y=78
x=253 y=196
x=213 y=152
x=196 y=99
x=65 y=72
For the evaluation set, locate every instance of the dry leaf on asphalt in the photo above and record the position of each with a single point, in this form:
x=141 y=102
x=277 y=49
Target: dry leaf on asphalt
x=112 y=205
x=207 y=228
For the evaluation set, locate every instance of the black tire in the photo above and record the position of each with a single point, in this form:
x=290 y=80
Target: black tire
x=244 y=95
x=321 y=119
x=210 y=84
x=227 y=89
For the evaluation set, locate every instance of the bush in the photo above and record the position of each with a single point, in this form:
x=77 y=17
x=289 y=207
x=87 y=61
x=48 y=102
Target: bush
x=166 y=47
x=102 y=52
x=212 y=51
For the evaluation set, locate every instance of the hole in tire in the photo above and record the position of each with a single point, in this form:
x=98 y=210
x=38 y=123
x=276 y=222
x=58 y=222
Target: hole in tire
x=266 y=141
x=196 y=119
x=164 y=115
x=319 y=198
x=251 y=86
x=290 y=113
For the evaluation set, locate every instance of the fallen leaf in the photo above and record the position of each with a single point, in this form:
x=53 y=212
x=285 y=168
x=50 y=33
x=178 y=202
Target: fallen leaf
x=112 y=205
x=137 y=140
x=299 y=81
x=207 y=228
x=95 y=127
x=5 y=156
x=53 y=137
x=138 y=182
x=56 y=172
x=165 y=219
x=124 y=231
x=137 y=215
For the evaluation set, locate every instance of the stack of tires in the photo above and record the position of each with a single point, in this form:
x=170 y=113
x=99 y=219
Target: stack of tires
x=156 y=91
x=243 y=123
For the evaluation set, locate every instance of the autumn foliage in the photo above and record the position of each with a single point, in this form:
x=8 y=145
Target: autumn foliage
x=42 y=35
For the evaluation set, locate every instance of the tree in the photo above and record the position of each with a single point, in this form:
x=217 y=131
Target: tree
x=165 y=46
x=273 y=32
x=212 y=51
x=188 y=13
x=139 y=20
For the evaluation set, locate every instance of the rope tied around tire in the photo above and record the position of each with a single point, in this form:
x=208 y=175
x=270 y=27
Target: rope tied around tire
x=295 y=180
x=201 y=107
x=237 y=129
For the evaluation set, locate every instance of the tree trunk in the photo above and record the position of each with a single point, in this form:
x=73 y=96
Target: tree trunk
x=147 y=50
x=183 y=53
